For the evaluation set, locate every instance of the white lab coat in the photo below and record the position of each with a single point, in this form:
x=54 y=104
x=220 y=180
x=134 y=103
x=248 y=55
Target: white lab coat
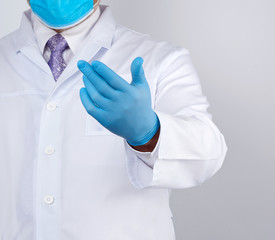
x=65 y=177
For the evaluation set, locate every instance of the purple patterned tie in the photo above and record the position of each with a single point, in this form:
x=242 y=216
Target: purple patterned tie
x=57 y=45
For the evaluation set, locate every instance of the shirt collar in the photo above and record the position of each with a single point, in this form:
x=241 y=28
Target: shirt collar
x=101 y=32
x=74 y=36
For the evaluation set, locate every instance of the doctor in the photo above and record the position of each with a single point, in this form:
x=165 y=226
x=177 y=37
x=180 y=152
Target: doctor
x=98 y=124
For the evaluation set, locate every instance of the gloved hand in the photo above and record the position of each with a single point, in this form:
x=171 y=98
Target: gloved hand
x=123 y=108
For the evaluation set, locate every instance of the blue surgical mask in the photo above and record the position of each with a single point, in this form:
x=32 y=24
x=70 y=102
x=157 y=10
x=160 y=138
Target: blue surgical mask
x=60 y=14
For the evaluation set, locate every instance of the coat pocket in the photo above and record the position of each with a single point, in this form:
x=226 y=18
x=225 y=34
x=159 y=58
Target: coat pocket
x=93 y=127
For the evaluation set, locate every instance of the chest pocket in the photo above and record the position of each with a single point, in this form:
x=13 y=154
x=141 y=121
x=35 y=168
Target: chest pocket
x=93 y=127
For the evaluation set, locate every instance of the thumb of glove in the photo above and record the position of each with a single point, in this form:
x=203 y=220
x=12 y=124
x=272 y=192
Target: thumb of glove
x=138 y=76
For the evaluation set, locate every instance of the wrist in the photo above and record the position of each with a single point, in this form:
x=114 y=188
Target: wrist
x=149 y=135
x=149 y=146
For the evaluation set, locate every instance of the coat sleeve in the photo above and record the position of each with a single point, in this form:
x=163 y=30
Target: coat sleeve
x=190 y=149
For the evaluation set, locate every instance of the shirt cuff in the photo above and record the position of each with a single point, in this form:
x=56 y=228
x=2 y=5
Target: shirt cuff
x=149 y=158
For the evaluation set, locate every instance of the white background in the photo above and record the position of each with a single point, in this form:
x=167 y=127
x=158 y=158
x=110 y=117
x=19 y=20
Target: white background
x=232 y=44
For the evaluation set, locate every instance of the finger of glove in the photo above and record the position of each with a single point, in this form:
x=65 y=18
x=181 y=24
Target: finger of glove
x=96 y=97
x=102 y=86
x=89 y=105
x=113 y=79
x=138 y=76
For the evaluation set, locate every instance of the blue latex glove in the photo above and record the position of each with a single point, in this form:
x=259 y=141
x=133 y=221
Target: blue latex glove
x=123 y=108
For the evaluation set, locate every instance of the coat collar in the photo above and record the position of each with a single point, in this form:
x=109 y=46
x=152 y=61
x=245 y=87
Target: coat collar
x=104 y=30
x=24 y=36
x=102 y=33
x=101 y=36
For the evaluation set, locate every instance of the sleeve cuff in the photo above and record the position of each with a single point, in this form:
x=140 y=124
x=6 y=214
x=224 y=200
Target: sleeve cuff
x=189 y=151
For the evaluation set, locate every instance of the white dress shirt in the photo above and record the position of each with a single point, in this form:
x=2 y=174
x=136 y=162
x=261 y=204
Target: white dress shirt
x=65 y=177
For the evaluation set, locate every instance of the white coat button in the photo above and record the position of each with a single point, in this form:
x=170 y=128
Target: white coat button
x=51 y=106
x=49 y=200
x=49 y=150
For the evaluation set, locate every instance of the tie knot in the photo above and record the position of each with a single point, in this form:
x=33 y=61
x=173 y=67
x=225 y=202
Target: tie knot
x=57 y=43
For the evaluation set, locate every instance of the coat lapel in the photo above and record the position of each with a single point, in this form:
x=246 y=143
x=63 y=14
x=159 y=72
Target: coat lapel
x=101 y=36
